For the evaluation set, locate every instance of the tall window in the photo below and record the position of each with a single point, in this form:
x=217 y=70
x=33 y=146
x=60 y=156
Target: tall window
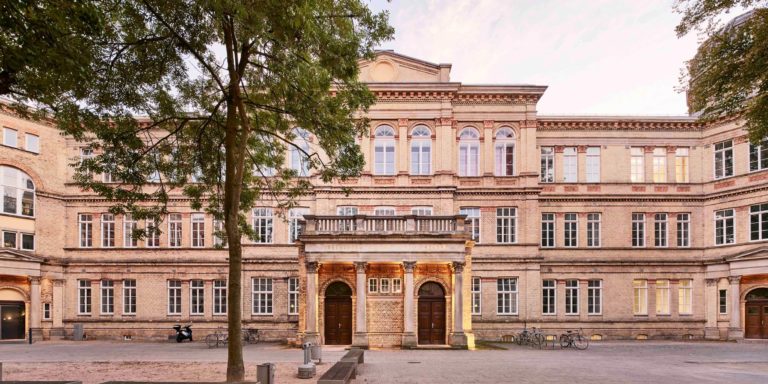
x=593 y=164
x=758 y=156
x=506 y=296
x=547 y=230
x=296 y=223
x=549 y=297
x=129 y=226
x=129 y=297
x=46 y=311
x=476 y=295
x=299 y=151
x=174 y=230
x=473 y=219
x=28 y=241
x=681 y=165
x=384 y=151
x=107 y=297
x=86 y=230
x=198 y=230
x=638 y=230
x=724 y=230
x=685 y=297
x=571 y=297
x=469 y=152
x=262 y=296
x=758 y=222
x=570 y=165
x=86 y=153
x=219 y=297
x=293 y=295
x=660 y=229
x=84 y=297
x=107 y=230
x=421 y=151
x=571 y=230
x=219 y=234
x=506 y=220
x=153 y=233
x=659 y=165
x=593 y=229
x=640 y=297
x=32 y=143
x=662 y=297
x=18 y=192
x=547 y=174
x=723 y=159
x=637 y=165
x=722 y=296
x=594 y=297
x=10 y=137
x=174 y=297
x=683 y=229
x=505 y=152
x=262 y=225
x=196 y=297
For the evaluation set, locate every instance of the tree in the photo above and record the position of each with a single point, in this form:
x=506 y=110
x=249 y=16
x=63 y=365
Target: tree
x=223 y=84
x=729 y=74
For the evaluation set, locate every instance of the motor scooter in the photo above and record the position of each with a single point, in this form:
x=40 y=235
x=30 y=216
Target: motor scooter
x=183 y=333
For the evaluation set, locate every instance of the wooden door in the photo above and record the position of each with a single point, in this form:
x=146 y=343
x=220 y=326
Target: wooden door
x=752 y=326
x=12 y=326
x=431 y=320
x=338 y=320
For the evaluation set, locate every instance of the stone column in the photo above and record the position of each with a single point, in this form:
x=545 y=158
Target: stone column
x=710 y=306
x=361 y=325
x=735 y=331
x=311 y=334
x=409 y=332
x=35 y=308
x=458 y=338
x=57 y=309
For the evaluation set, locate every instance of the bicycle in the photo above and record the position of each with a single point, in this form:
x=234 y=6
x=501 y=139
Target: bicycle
x=217 y=338
x=574 y=339
x=536 y=338
x=251 y=335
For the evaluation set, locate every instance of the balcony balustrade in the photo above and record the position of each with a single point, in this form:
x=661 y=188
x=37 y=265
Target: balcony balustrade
x=367 y=225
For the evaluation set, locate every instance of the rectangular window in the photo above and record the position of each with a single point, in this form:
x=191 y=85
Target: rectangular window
x=384 y=157
x=347 y=224
x=262 y=225
x=129 y=226
x=85 y=154
x=506 y=220
x=174 y=230
x=373 y=285
x=547 y=230
x=46 y=311
x=219 y=297
x=198 y=230
x=505 y=158
x=10 y=137
x=571 y=230
x=107 y=230
x=262 y=296
x=547 y=174
x=86 y=230
x=296 y=223
x=660 y=229
x=724 y=229
x=293 y=295
x=571 y=297
x=473 y=220
x=637 y=165
x=397 y=285
x=758 y=222
x=421 y=156
x=219 y=234
x=384 y=285
x=421 y=211
x=685 y=297
x=570 y=165
x=681 y=165
x=469 y=155
x=638 y=230
x=659 y=165
x=593 y=230
x=758 y=156
x=32 y=143
x=476 y=296
x=196 y=297
x=153 y=233
x=174 y=297
x=723 y=301
x=27 y=241
x=506 y=296
x=662 y=297
x=549 y=297
x=9 y=239
x=723 y=159
x=683 y=229
x=129 y=297
x=84 y=297
x=593 y=164
x=594 y=297
x=640 y=297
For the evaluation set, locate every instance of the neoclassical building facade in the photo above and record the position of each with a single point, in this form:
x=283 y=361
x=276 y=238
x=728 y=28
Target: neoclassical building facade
x=473 y=218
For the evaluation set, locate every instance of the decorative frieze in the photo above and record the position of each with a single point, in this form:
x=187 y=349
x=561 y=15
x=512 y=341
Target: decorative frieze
x=725 y=184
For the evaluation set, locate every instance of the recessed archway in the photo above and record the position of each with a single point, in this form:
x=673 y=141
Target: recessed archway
x=338 y=314
x=756 y=314
x=431 y=314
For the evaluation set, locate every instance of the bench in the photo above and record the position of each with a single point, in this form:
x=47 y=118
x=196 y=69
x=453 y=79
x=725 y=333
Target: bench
x=356 y=353
x=339 y=373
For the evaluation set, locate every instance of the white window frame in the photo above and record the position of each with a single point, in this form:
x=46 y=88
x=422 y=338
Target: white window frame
x=593 y=164
x=24 y=235
x=299 y=160
x=293 y=295
x=197 y=230
x=663 y=297
x=722 y=217
x=15 y=239
x=29 y=139
x=219 y=233
x=384 y=151
x=46 y=311
x=263 y=223
x=84 y=297
x=685 y=297
x=505 y=142
x=152 y=227
x=296 y=223
x=594 y=230
x=594 y=297
x=220 y=297
x=85 y=227
x=17 y=186
x=637 y=230
x=572 y=297
x=548 y=230
x=129 y=297
x=473 y=216
x=570 y=165
x=421 y=151
x=476 y=290
x=549 y=297
x=108 y=228
x=175 y=230
x=682 y=166
x=384 y=285
x=262 y=289
x=640 y=297
x=14 y=143
x=547 y=165
x=758 y=154
x=107 y=297
x=571 y=224
x=196 y=297
x=659 y=165
x=397 y=285
x=346 y=210
x=507 y=296
x=373 y=285
x=129 y=224
x=174 y=297
x=661 y=230
x=683 y=230
x=469 y=149
x=722 y=152
x=637 y=165
x=758 y=214
x=506 y=225
x=722 y=301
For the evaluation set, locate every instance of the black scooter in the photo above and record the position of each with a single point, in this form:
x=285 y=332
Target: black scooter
x=183 y=333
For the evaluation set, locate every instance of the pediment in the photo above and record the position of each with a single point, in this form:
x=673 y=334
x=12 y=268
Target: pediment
x=752 y=254
x=391 y=67
x=15 y=255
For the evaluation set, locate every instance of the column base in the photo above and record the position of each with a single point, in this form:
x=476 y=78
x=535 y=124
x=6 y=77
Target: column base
x=458 y=340
x=409 y=340
x=360 y=340
x=712 y=333
x=37 y=334
x=735 y=334
x=311 y=337
x=57 y=333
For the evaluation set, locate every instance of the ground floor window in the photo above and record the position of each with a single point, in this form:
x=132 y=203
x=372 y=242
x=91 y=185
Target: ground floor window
x=196 y=297
x=662 y=297
x=571 y=297
x=685 y=297
x=219 y=297
x=46 y=311
x=595 y=297
x=548 y=295
x=293 y=295
x=84 y=297
x=476 y=295
x=174 y=297
x=262 y=296
x=506 y=300
x=723 y=301
x=129 y=297
x=640 y=297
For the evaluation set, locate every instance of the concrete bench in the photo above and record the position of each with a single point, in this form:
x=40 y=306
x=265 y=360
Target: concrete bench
x=356 y=353
x=340 y=373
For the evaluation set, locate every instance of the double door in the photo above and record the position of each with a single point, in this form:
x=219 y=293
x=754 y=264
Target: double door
x=431 y=320
x=756 y=321
x=12 y=321
x=338 y=320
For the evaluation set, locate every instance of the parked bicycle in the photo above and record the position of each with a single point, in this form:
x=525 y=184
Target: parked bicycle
x=251 y=335
x=534 y=337
x=574 y=339
x=218 y=338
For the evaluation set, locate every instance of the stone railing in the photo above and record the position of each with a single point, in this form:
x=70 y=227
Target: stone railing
x=365 y=224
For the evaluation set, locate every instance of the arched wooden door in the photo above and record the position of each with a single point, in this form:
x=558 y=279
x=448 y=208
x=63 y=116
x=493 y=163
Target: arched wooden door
x=338 y=314
x=431 y=314
x=756 y=314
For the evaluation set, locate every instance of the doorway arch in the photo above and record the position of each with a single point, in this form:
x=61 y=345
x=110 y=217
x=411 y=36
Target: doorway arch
x=13 y=316
x=756 y=314
x=338 y=314
x=431 y=313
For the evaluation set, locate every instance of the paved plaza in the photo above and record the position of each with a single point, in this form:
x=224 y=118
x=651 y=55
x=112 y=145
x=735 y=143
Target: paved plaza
x=606 y=362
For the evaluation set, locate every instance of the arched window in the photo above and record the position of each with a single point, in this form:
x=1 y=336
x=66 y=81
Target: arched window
x=18 y=192
x=384 y=151
x=299 y=160
x=469 y=152
x=421 y=151
x=505 y=152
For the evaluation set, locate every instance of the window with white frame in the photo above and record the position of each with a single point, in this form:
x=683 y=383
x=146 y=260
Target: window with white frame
x=593 y=229
x=476 y=295
x=571 y=297
x=660 y=227
x=153 y=233
x=421 y=151
x=293 y=295
x=548 y=297
x=85 y=222
x=637 y=165
x=296 y=223
x=107 y=297
x=683 y=229
x=397 y=285
x=638 y=230
x=506 y=220
x=640 y=297
x=547 y=230
x=174 y=297
x=196 y=297
x=384 y=151
x=18 y=192
x=473 y=220
x=384 y=285
x=505 y=152
x=594 y=297
x=469 y=152
x=722 y=296
x=547 y=173
x=383 y=225
x=84 y=297
x=299 y=150
x=593 y=164
x=570 y=165
x=9 y=239
x=174 y=230
x=723 y=159
x=421 y=211
x=685 y=297
x=506 y=296
x=219 y=234
x=681 y=165
x=32 y=143
x=346 y=210
x=107 y=230
x=724 y=229
x=662 y=297
x=129 y=227
x=129 y=297
x=262 y=225
x=10 y=137
x=198 y=229
x=758 y=222
x=262 y=296
x=219 y=297
x=659 y=165
x=28 y=241
x=46 y=311
x=373 y=285
x=86 y=153
x=758 y=156
x=571 y=230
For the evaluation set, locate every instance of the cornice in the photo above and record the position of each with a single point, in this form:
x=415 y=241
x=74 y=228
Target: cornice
x=619 y=123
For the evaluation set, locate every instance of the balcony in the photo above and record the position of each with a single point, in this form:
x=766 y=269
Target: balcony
x=385 y=225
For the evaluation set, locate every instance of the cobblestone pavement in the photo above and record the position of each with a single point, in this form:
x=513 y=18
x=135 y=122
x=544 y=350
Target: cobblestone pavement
x=606 y=362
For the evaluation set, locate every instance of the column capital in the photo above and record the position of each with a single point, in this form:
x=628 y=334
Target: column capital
x=734 y=279
x=711 y=282
x=360 y=266
x=58 y=282
x=458 y=266
x=34 y=280
x=312 y=266
x=409 y=266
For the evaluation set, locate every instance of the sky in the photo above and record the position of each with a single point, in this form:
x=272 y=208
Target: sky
x=603 y=57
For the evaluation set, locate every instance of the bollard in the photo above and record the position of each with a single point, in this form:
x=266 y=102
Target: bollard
x=265 y=373
x=30 y=336
x=316 y=353
x=307 y=370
